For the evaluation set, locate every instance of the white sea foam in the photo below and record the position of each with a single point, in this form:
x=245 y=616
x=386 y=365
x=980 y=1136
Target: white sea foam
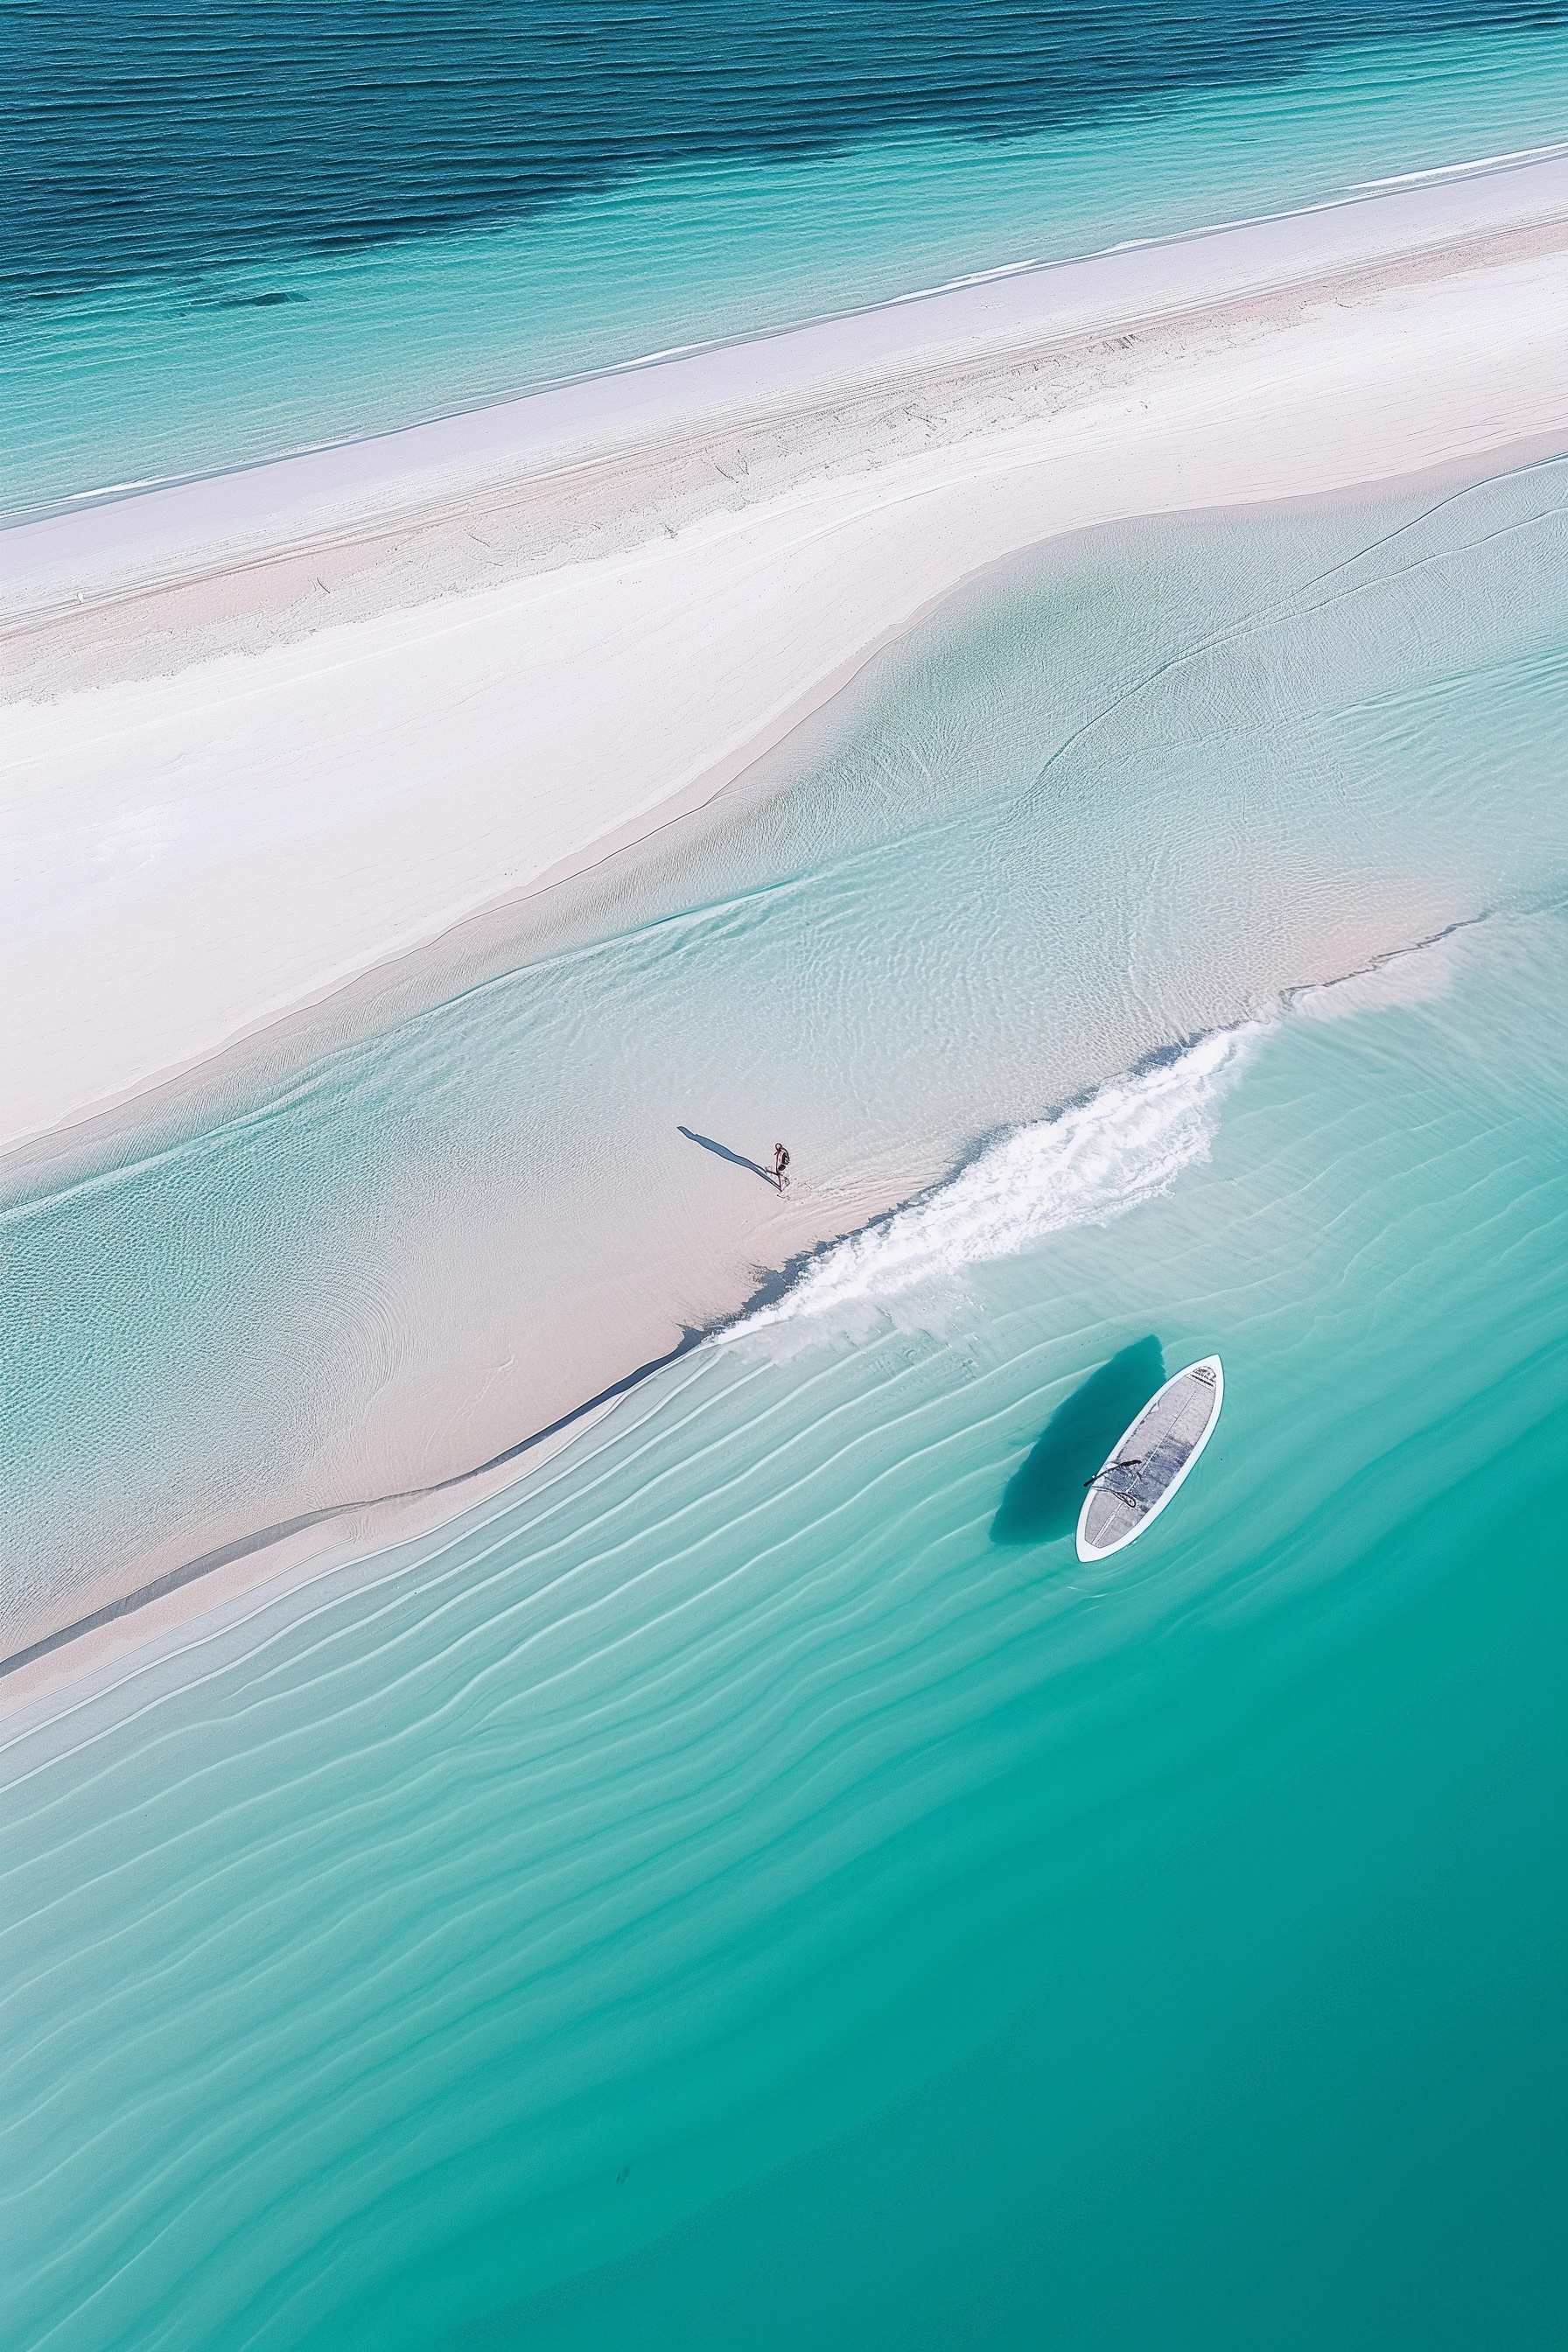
x=1083 y=1166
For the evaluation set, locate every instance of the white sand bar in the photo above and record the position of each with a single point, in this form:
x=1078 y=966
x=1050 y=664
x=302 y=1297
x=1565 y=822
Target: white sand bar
x=267 y=731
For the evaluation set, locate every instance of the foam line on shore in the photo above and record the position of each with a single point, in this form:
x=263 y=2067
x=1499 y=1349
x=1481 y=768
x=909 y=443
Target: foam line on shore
x=1085 y=1162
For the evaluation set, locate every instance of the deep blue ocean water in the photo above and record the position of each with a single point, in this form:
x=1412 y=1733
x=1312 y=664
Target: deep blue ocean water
x=231 y=232
x=171 y=137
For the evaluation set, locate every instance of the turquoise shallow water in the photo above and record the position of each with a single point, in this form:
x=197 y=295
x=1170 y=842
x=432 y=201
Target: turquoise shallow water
x=722 y=1893
x=1119 y=795
x=747 y=1884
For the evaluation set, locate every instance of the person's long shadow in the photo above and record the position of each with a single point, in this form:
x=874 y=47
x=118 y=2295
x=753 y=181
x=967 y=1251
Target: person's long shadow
x=723 y=1152
x=1042 y=1499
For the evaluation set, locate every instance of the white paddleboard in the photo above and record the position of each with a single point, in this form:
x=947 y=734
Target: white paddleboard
x=1150 y=1459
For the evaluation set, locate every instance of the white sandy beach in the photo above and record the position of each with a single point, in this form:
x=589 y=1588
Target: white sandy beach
x=269 y=733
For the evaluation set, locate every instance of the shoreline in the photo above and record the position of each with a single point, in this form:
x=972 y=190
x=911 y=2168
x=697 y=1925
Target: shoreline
x=552 y=412
x=258 y=1568
x=253 y=839
x=815 y=1219
x=503 y=934
x=272 y=787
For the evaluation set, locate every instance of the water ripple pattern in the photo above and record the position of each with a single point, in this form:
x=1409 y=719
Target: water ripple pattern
x=232 y=232
x=1116 y=800
x=175 y=136
x=717 y=1893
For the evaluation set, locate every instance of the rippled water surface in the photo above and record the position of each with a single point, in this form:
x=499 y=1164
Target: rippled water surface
x=1113 y=799
x=173 y=135
x=746 y=1884
x=232 y=232
x=733 y=1890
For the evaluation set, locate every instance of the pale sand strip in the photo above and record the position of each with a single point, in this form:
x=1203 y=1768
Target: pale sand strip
x=237 y=1581
x=392 y=480
x=215 y=836
x=205 y=839
x=169 y=1609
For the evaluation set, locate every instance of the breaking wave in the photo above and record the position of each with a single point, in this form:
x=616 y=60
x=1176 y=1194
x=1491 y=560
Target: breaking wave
x=1084 y=1165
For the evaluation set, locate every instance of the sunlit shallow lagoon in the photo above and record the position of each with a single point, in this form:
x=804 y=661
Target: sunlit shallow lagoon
x=748 y=1884
x=1126 y=793
x=739 y=1887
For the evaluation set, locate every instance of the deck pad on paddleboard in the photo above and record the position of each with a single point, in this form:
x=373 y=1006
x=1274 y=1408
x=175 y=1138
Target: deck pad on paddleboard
x=1151 y=1460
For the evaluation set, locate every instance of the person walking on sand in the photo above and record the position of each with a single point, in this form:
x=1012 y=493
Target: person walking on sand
x=781 y=1161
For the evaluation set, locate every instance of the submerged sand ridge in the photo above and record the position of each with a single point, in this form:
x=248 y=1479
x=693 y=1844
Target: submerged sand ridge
x=232 y=802
x=231 y=793
x=1120 y=794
